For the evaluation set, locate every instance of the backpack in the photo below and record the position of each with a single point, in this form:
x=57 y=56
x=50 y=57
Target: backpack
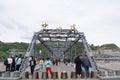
x=5 y=62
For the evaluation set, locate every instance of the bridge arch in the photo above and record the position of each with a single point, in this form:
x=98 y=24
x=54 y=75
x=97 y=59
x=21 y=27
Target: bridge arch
x=58 y=42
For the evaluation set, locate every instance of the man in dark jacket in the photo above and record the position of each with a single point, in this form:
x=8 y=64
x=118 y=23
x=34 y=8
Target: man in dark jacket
x=32 y=65
x=86 y=63
x=78 y=68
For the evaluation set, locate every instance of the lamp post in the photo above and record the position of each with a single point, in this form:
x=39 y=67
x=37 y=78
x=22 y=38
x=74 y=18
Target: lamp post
x=40 y=53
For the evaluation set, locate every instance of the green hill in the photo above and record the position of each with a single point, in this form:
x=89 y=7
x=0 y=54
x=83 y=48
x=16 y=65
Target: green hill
x=4 y=47
x=21 y=46
x=109 y=46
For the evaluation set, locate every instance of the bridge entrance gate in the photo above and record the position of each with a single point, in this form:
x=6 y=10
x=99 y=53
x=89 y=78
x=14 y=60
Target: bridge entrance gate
x=58 y=42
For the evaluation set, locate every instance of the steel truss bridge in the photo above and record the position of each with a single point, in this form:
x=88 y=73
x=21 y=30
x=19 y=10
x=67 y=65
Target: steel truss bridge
x=58 y=42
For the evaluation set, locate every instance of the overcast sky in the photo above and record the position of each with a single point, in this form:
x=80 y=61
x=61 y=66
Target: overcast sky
x=98 y=19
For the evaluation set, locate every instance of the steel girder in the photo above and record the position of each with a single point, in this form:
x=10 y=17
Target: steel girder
x=58 y=41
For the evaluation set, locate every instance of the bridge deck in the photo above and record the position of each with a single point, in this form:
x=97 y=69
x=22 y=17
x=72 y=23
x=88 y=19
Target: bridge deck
x=61 y=68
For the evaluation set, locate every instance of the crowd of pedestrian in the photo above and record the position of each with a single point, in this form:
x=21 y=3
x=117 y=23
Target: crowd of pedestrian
x=43 y=64
x=13 y=63
x=81 y=62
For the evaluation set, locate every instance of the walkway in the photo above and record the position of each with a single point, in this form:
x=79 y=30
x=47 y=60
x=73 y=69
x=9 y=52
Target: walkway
x=60 y=68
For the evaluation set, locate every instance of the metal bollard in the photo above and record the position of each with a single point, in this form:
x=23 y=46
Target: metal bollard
x=7 y=74
x=102 y=73
x=117 y=73
x=110 y=73
x=93 y=74
x=54 y=75
x=16 y=74
x=64 y=75
x=83 y=74
x=27 y=75
x=1 y=74
x=44 y=75
x=73 y=75
x=36 y=75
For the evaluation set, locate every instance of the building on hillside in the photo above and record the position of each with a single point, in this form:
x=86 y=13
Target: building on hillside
x=15 y=51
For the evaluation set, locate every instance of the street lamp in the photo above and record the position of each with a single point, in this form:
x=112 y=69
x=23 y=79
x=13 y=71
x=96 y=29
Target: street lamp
x=40 y=51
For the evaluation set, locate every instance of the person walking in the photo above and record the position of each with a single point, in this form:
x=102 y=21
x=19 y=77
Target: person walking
x=10 y=60
x=18 y=61
x=48 y=64
x=41 y=63
x=78 y=67
x=86 y=63
x=32 y=65
x=13 y=63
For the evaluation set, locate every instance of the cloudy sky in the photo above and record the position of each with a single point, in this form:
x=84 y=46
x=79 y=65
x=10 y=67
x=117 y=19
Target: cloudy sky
x=98 y=19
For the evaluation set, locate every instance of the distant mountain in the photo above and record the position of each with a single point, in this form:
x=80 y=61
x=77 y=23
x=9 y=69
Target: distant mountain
x=15 y=45
x=21 y=46
x=109 y=46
